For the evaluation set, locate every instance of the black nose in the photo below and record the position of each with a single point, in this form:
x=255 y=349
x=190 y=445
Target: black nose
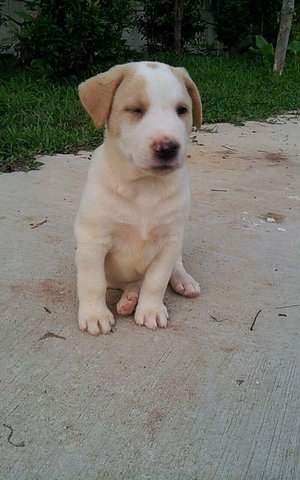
x=166 y=150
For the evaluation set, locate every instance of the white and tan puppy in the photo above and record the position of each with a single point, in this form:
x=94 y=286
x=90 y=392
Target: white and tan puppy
x=129 y=228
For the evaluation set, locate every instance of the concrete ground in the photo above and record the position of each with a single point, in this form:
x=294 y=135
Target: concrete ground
x=208 y=398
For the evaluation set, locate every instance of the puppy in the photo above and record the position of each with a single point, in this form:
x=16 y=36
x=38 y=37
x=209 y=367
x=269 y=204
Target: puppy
x=130 y=224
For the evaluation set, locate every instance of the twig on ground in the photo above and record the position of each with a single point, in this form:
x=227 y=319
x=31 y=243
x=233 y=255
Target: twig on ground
x=21 y=444
x=38 y=224
x=288 y=306
x=52 y=335
x=217 y=320
x=218 y=190
x=229 y=148
x=255 y=318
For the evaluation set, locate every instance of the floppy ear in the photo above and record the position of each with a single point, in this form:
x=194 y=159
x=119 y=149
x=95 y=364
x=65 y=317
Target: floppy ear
x=183 y=75
x=97 y=93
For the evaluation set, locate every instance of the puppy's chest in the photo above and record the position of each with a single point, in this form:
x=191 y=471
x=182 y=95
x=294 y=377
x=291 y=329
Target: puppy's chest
x=138 y=237
x=145 y=221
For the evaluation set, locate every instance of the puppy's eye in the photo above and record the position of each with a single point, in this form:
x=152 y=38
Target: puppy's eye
x=138 y=111
x=181 y=110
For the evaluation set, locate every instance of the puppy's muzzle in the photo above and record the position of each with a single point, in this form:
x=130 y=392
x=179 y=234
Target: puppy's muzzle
x=166 y=154
x=166 y=150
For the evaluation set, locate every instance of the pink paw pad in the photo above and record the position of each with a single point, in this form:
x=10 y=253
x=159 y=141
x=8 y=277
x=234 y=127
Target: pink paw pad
x=127 y=304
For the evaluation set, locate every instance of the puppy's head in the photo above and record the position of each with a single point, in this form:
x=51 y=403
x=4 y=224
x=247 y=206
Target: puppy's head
x=149 y=109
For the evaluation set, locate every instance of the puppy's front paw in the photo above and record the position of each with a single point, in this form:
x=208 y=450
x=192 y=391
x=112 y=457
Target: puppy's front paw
x=95 y=320
x=152 y=316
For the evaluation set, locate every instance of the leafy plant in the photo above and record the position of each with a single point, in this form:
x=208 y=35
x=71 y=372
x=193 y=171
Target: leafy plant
x=155 y=21
x=264 y=48
x=71 y=36
x=294 y=47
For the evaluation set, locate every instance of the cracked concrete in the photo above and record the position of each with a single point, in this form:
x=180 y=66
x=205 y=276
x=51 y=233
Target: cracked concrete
x=207 y=398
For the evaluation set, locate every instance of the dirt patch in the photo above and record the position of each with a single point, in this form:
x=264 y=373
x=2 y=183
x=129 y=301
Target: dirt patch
x=273 y=217
x=52 y=291
x=49 y=290
x=275 y=158
x=153 y=421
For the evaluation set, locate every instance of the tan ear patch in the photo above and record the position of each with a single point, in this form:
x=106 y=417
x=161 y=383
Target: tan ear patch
x=97 y=93
x=183 y=75
x=152 y=65
x=129 y=100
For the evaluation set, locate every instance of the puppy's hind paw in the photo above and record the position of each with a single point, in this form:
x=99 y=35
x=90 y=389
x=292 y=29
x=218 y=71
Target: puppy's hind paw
x=184 y=284
x=127 y=303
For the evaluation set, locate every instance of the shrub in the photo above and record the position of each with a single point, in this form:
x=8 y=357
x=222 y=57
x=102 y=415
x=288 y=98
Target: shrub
x=238 y=21
x=72 y=36
x=156 y=19
x=3 y=20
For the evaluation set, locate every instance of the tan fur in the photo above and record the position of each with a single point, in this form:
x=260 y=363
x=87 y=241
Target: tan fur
x=152 y=65
x=129 y=227
x=183 y=75
x=96 y=93
x=131 y=92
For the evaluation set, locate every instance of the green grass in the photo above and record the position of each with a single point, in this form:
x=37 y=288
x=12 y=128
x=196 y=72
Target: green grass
x=235 y=89
x=38 y=116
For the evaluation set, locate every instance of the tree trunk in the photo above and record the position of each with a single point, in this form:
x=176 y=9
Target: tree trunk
x=179 y=5
x=286 y=19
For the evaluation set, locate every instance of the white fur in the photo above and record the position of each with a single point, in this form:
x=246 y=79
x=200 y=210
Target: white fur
x=129 y=227
x=165 y=92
